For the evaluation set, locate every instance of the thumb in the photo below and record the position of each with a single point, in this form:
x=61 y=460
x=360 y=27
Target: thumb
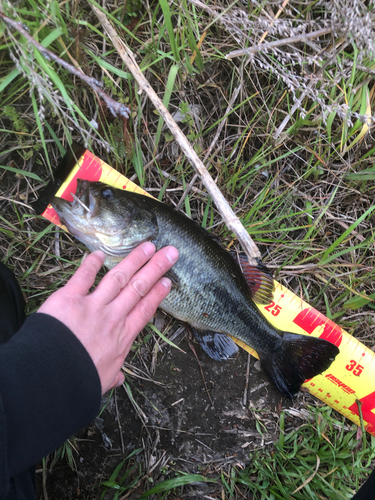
x=119 y=380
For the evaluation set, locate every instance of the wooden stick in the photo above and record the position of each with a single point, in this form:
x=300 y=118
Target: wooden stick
x=231 y=220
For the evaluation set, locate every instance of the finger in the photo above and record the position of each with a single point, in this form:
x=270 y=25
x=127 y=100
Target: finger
x=142 y=313
x=83 y=279
x=142 y=282
x=116 y=279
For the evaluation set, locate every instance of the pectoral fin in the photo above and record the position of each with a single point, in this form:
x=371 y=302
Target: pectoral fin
x=218 y=346
x=174 y=278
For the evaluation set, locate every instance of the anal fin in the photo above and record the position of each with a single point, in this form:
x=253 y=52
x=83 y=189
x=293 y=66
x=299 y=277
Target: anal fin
x=218 y=346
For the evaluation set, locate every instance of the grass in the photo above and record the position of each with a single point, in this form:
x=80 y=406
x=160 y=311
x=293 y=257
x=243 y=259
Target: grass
x=316 y=460
x=304 y=190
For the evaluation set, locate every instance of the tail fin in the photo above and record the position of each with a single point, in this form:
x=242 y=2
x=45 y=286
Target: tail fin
x=298 y=358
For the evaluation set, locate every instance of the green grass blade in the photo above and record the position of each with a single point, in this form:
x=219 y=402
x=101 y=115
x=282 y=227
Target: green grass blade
x=158 y=332
x=167 y=96
x=56 y=139
x=170 y=484
x=8 y=79
x=365 y=175
x=42 y=138
x=347 y=233
x=110 y=67
x=23 y=172
x=358 y=302
x=168 y=22
x=51 y=37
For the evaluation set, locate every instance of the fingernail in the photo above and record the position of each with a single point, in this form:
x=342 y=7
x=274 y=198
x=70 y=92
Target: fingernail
x=166 y=282
x=148 y=248
x=100 y=254
x=172 y=254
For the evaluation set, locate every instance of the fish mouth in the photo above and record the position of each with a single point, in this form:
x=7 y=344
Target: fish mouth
x=84 y=198
x=82 y=205
x=75 y=214
x=79 y=214
x=82 y=187
x=101 y=222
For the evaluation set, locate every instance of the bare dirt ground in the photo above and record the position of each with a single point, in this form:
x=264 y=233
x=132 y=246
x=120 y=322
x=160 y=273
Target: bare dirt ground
x=200 y=423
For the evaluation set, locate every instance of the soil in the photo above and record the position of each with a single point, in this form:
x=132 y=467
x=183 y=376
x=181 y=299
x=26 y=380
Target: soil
x=201 y=424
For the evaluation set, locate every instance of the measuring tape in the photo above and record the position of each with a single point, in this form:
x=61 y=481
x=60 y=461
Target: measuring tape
x=349 y=381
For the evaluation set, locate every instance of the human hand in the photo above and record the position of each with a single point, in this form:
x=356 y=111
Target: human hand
x=108 y=320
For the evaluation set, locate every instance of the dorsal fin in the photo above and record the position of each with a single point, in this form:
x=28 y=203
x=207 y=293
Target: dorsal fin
x=259 y=279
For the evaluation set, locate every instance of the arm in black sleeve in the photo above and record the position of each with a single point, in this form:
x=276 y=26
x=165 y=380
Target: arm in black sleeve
x=49 y=389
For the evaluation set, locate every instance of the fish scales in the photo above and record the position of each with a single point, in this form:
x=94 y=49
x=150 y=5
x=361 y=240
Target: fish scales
x=210 y=292
x=213 y=293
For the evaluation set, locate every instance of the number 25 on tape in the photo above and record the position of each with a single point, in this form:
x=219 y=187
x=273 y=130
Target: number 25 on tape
x=273 y=308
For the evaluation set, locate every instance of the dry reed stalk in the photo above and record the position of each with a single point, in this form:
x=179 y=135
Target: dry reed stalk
x=231 y=220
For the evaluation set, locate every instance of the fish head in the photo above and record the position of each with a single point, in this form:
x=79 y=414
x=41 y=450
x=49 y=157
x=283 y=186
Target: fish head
x=108 y=219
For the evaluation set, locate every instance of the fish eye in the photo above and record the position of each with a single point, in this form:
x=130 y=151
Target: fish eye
x=107 y=193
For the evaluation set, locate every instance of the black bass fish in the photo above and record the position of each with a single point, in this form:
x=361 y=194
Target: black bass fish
x=210 y=291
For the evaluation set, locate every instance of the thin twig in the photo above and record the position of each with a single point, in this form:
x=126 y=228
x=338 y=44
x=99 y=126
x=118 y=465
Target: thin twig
x=244 y=399
x=277 y=43
x=119 y=426
x=116 y=108
x=212 y=12
x=173 y=178
x=200 y=367
x=80 y=202
x=223 y=121
x=231 y=220
x=186 y=192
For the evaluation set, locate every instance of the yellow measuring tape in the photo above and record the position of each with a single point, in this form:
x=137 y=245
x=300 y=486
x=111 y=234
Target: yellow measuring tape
x=350 y=380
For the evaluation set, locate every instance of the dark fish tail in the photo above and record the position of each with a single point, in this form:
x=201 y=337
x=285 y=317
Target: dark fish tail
x=296 y=359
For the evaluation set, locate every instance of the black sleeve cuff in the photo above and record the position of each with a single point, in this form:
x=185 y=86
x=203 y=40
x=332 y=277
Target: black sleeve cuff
x=49 y=387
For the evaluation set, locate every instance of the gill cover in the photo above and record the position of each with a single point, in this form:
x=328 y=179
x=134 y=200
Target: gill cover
x=105 y=218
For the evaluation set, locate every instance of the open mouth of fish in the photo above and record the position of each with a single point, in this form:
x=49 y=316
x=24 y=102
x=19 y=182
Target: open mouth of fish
x=83 y=217
x=84 y=198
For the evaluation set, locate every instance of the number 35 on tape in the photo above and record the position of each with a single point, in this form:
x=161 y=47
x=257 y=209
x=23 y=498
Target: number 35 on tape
x=350 y=380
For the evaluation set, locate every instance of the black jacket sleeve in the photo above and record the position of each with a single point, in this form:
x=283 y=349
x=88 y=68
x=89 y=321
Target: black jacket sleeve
x=49 y=389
